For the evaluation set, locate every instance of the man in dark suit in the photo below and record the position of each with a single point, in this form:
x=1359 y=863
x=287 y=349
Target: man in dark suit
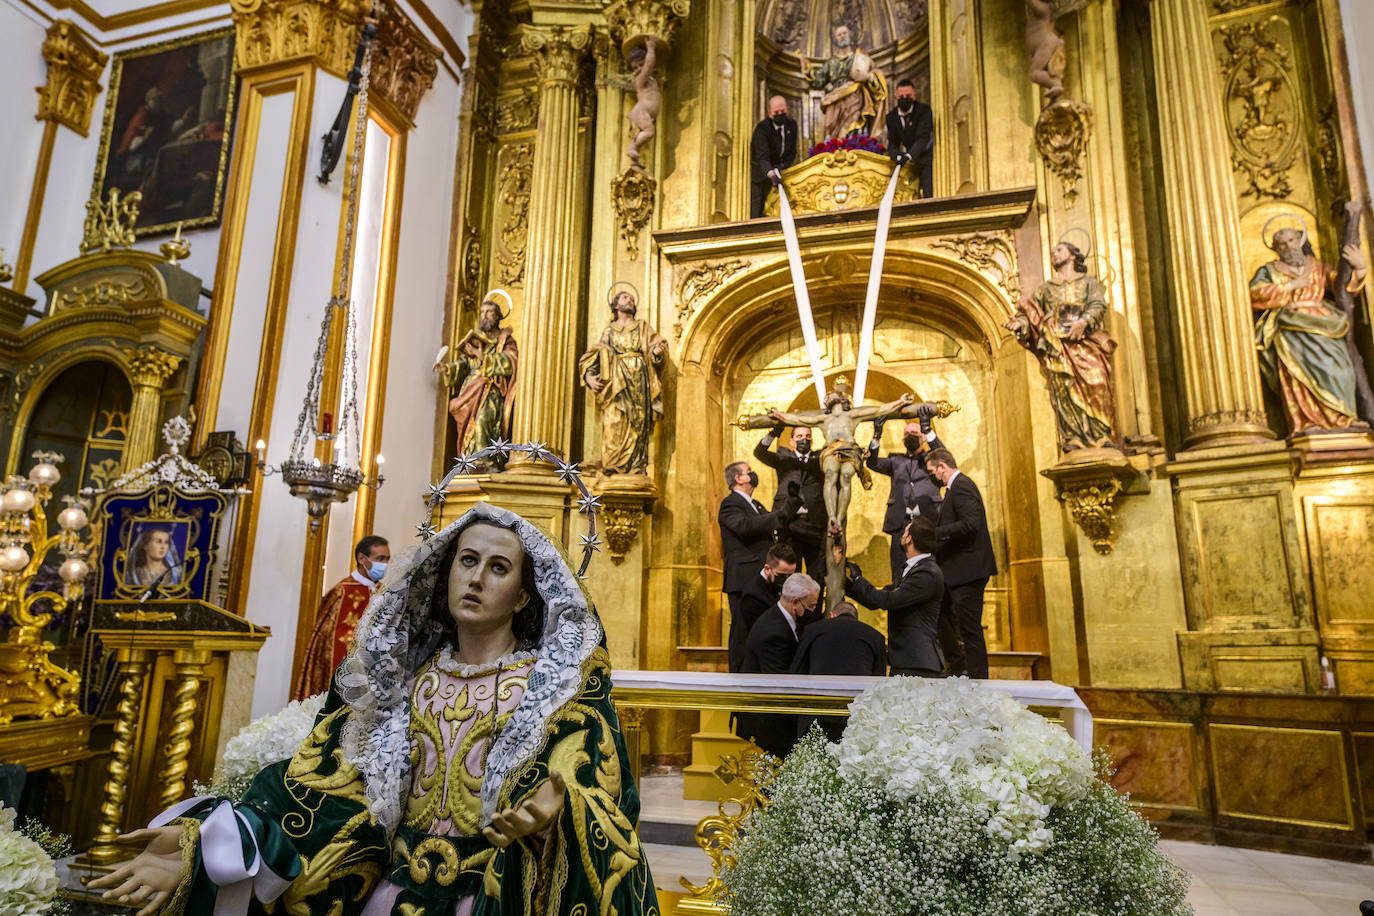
x=772 y=149
x=963 y=549
x=839 y=644
x=760 y=593
x=912 y=492
x=770 y=648
x=798 y=465
x=912 y=603
x=746 y=533
x=911 y=135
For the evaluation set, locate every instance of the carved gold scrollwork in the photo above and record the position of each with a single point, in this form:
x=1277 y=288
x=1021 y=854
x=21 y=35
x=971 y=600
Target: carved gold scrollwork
x=1092 y=504
x=621 y=529
x=150 y=367
x=1261 y=109
x=625 y=499
x=993 y=254
x=472 y=267
x=1089 y=482
x=720 y=834
x=517 y=112
x=111 y=224
x=271 y=31
x=404 y=63
x=698 y=282
x=557 y=51
x=633 y=20
x=1061 y=135
x=513 y=190
x=632 y=196
x=74 y=68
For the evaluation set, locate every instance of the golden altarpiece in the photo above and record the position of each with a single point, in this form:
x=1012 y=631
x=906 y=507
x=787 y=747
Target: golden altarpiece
x=1189 y=587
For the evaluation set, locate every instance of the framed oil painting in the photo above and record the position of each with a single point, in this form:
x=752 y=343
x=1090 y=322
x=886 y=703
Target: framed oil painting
x=159 y=542
x=169 y=119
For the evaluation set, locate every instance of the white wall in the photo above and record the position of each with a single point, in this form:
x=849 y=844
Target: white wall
x=21 y=70
x=1358 y=21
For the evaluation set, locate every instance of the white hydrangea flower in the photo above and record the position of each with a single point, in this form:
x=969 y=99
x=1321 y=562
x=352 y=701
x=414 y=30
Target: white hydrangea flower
x=261 y=743
x=28 y=879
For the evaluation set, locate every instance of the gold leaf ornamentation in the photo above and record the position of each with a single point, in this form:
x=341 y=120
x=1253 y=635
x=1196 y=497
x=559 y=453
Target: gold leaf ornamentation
x=74 y=68
x=1261 y=109
x=993 y=254
x=632 y=196
x=699 y=282
x=513 y=191
x=1061 y=135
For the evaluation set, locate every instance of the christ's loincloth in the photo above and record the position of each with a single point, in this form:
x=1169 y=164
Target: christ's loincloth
x=847 y=452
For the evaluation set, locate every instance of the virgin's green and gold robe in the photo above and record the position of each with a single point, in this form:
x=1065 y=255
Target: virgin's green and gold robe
x=308 y=819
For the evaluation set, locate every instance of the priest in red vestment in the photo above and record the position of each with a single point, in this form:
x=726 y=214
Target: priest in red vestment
x=338 y=616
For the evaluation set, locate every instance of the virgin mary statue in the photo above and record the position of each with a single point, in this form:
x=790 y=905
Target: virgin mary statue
x=468 y=761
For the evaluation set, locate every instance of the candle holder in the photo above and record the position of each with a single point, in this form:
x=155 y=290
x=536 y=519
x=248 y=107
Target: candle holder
x=34 y=686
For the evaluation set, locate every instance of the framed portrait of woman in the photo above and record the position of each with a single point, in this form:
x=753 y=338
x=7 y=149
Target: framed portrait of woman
x=169 y=118
x=159 y=543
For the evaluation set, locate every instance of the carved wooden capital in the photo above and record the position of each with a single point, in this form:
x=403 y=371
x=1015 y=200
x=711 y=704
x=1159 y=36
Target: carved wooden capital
x=557 y=51
x=632 y=21
x=74 y=68
x=275 y=31
x=404 y=63
x=150 y=367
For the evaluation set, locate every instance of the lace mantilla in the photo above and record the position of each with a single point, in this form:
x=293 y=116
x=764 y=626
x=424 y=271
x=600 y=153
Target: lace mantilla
x=396 y=637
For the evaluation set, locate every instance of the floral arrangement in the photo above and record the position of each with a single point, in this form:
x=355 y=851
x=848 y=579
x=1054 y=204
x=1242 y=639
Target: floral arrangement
x=853 y=141
x=261 y=743
x=946 y=797
x=28 y=878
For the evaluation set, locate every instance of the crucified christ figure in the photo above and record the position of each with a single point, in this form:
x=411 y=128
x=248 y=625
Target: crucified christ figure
x=841 y=458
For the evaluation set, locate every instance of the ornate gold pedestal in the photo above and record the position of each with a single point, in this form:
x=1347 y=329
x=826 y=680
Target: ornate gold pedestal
x=175 y=693
x=842 y=180
x=1089 y=482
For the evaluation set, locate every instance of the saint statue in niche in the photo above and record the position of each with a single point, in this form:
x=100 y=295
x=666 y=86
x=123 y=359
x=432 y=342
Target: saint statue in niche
x=1065 y=325
x=481 y=378
x=621 y=370
x=855 y=92
x=1301 y=332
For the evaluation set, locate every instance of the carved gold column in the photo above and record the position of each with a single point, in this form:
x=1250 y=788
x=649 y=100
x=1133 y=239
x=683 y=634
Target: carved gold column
x=74 y=68
x=136 y=662
x=148 y=368
x=190 y=666
x=1211 y=298
x=543 y=396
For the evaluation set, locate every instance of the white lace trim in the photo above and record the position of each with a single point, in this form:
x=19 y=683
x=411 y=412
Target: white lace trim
x=446 y=663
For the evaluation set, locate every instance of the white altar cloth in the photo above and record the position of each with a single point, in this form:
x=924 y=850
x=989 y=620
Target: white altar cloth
x=1074 y=715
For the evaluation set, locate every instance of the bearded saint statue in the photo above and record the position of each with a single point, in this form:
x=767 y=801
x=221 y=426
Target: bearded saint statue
x=1300 y=333
x=855 y=92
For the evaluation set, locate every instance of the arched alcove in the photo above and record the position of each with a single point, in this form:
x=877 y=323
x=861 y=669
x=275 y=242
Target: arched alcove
x=937 y=336
x=82 y=414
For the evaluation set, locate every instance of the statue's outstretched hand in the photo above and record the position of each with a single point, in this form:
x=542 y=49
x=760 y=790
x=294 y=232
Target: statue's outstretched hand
x=531 y=816
x=1353 y=254
x=150 y=877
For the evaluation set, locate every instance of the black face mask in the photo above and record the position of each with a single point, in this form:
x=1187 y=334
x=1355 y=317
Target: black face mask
x=912 y=443
x=933 y=479
x=780 y=118
x=753 y=478
x=802 y=446
x=905 y=104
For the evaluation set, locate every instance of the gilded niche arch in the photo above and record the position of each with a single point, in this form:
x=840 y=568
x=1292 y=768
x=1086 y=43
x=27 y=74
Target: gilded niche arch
x=939 y=334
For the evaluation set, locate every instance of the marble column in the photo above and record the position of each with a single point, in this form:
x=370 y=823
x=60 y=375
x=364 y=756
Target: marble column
x=544 y=386
x=148 y=368
x=1222 y=394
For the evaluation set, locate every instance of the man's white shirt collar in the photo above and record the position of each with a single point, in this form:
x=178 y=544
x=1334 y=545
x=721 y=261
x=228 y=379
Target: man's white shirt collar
x=788 y=617
x=747 y=498
x=913 y=561
x=358 y=577
x=951 y=478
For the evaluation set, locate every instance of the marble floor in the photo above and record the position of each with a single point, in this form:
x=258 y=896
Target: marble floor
x=1226 y=881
